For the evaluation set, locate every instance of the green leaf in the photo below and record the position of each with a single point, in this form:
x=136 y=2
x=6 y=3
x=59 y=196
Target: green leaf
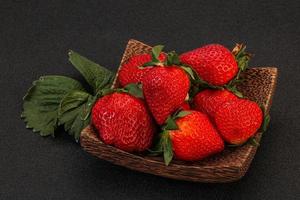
x=170 y=124
x=97 y=76
x=156 y=50
x=74 y=112
x=167 y=148
x=41 y=103
x=135 y=90
x=73 y=100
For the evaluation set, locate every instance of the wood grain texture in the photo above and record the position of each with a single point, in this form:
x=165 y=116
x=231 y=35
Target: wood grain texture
x=228 y=166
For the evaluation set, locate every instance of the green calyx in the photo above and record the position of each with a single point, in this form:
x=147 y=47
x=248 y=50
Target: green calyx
x=170 y=123
x=55 y=101
x=135 y=89
x=163 y=146
x=234 y=90
x=156 y=50
x=171 y=60
x=241 y=56
x=264 y=126
x=266 y=120
x=198 y=84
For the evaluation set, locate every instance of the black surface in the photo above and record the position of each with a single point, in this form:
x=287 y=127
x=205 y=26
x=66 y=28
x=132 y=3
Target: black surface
x=34 y=39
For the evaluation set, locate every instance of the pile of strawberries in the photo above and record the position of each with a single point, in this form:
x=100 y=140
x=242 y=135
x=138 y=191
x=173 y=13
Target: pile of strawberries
x=184 y=105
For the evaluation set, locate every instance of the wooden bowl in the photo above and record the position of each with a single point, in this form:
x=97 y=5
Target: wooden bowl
x=228 y=166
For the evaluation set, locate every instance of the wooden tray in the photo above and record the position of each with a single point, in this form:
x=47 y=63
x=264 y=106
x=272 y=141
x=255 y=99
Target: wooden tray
x=228 y=166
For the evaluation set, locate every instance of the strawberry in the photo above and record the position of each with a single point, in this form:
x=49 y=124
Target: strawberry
x=196 y=137
x=209 y=100
x=238 y=120
x=165 y=89
x=133 y=71
x=193 y=138
x=122 y=120
x=214 y=63
x=165 y=86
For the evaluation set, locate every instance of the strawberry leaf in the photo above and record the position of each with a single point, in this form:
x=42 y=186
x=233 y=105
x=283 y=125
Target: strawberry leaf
x=96 y=76
x=59 y=100
x=41 y=103
x=72 y=100
x=74 y=112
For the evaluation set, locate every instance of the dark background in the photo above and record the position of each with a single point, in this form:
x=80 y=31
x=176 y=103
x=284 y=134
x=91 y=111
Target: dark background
x=34 y=39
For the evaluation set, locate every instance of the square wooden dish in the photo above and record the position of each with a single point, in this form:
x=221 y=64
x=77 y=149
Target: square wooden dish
x=228 y=166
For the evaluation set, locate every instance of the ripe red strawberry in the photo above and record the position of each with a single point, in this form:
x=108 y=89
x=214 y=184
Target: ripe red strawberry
x=122 y=120
x=196 y=137
x=165 y=89
x=213 y=63
x=238 y=120
x=133 y=72
x=208 y=101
